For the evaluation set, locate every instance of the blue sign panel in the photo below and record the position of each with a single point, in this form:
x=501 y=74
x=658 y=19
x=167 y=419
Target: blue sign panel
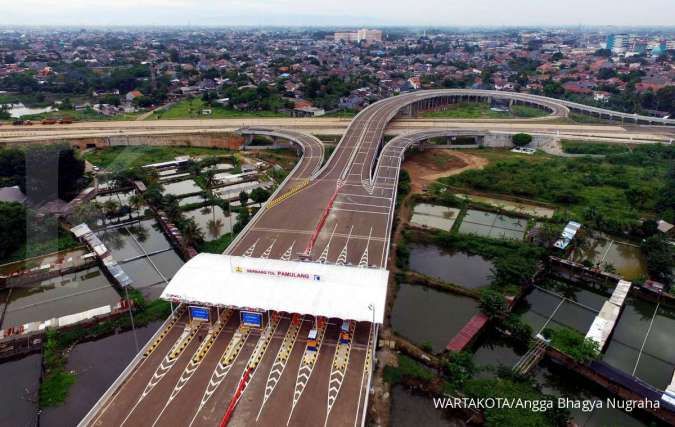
x=199 y=313
x=251 y=318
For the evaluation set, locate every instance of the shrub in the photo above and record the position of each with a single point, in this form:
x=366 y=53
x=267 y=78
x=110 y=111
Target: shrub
x=521 y=139
x=573 y=344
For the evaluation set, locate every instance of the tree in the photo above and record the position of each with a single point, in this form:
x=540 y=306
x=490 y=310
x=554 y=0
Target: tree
x=521 y=139
x=12 y=227
x=192 y=235
x=573 y=344
x=259 y=195
x=110 y=208
x=44 y=172
x=136 y=202
x=493 y=304
x=659 y=255
x=243 y=198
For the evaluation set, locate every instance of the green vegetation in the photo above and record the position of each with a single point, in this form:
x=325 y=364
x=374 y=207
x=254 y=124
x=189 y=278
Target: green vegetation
x=526 y=111
x=192 y=109
x=609 y=194
x=25 y=235
x=136 y=156
x=86 y=115
x=458 y=368
x=514 y=261
x=217 y=246
x=573 y=344
x=595 y=148
x=407 y=369
x=56 y=380
x=466 y=111
x=507 y=386
x=36 y=168
x=521 y=139
x=404 y=186
x=659 y=256
x=482 y=110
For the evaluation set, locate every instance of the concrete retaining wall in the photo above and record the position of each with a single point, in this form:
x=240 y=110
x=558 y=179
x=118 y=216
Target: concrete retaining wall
x=205 y=140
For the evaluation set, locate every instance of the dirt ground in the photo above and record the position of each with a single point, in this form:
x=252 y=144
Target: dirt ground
x=427 y=166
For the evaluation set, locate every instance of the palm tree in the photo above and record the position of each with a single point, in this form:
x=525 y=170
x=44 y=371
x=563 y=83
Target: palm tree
x=136 y=202
x=192 y=235
x=214 y=226
x=110 y=207
x=211 y=181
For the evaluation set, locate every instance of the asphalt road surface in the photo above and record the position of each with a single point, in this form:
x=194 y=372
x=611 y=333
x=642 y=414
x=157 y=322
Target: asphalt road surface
x=339 y=213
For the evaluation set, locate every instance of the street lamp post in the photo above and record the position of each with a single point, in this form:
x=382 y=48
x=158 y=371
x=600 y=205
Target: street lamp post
x=131 y=315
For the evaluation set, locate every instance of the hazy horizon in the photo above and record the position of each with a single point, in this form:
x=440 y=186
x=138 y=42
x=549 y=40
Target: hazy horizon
x=439 y=13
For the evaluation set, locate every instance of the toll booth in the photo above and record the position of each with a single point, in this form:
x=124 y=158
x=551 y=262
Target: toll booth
x=311 y=340
x=253 y=318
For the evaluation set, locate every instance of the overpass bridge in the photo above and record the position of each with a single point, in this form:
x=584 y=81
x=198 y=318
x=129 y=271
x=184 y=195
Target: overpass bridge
x=313 y=262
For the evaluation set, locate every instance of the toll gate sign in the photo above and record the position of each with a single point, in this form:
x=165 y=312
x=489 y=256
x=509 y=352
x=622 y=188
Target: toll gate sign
x=252 y=318
x=199 y=313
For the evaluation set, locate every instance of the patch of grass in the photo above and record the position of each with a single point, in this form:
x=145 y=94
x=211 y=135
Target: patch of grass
x=609 y=194
x=574 y=344
x=585 y=147
x=86 y=115
x=526 y=111
x=33 y=248
x=467 y=111
x=217 y=246
x=56 y=381
x=129 y=157
x=407 y=369
x=192 y=109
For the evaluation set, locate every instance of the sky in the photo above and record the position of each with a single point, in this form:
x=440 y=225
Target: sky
x=339 y=12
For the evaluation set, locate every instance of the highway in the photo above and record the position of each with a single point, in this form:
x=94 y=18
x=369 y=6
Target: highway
x=340 y=213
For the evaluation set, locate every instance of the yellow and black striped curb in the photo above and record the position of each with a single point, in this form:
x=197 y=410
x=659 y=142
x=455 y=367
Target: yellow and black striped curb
x=290 y=193
x=165 y=332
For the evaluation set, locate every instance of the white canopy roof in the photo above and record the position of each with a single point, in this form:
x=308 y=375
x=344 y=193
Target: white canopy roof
x=344 y=292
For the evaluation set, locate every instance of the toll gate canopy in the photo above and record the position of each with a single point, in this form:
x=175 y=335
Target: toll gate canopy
x=345 y=292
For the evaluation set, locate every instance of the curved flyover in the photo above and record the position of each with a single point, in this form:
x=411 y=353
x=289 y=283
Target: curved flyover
x=342 y=214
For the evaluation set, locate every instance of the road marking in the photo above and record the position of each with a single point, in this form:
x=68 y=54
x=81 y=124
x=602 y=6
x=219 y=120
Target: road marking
x=339 y=367
x=224 y=365
x=167 y=363
x=342 y=258
x=281 y=359
x=197 y=359
x=367 y=364
x=324 y=255
x=309 y=359
x=289 y=253
x=268 y=251
x=361 y=211
x=364 y=258
x=249 y=251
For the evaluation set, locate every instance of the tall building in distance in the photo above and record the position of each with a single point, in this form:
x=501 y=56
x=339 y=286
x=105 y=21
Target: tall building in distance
x=618 y=43
x=369 y=36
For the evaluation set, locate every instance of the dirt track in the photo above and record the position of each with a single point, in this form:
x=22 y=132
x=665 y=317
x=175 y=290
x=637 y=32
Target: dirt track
x=428 y=166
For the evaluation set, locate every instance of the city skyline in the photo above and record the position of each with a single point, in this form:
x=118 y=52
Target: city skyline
x=346 y=13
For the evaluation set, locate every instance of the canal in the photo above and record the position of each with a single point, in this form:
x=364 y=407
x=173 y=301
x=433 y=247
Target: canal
x=468 y=271
x=429 y=317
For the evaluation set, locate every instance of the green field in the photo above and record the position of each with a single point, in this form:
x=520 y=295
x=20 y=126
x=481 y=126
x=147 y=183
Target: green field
x=612 y=194
x=192 y=109
x=481 y=110
x=88 y=115
x=134 y=156
x=585 y=147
